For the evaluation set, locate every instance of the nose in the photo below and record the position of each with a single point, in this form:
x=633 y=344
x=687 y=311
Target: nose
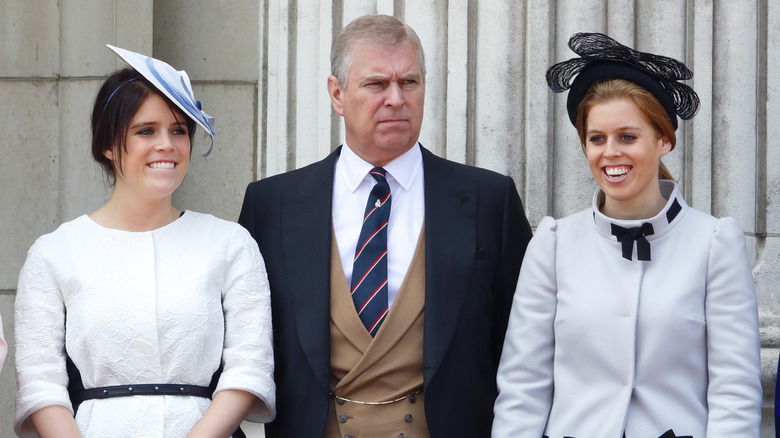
x=394 y=97
x=165 y=143
x=612 y=149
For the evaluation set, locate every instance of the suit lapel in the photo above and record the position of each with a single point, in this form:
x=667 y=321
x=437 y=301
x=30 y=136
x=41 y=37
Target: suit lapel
x=306 y=246
x=450 y=236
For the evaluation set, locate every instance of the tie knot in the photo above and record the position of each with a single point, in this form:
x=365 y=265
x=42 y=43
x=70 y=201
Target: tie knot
x=381 y=190
x=379 y=174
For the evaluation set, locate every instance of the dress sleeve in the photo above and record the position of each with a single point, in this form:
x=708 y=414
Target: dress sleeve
x=525 y=373
x=733 y=346
x=3 y=346
x=39 y=332
x=248 y=349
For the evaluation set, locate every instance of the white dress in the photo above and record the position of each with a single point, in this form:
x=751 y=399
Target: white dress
x=598 y=345
x=163 y=306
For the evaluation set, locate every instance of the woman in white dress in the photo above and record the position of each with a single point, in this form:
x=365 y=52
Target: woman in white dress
x=637 y=317
x=145 y=320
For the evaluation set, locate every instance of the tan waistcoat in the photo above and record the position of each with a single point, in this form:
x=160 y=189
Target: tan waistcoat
x=384 y=368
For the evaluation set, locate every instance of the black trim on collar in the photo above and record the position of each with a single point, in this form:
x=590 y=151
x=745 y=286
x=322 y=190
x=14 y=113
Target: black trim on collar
x=673 y=210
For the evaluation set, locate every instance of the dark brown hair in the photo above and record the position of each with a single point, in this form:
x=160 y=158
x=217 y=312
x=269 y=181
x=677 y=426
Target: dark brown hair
x=118 y=100
x=614 y=89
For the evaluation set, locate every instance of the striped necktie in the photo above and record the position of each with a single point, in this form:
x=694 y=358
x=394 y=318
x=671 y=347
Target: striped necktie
x=369 y=270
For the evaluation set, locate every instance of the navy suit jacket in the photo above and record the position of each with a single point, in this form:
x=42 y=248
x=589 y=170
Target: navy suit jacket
x=475 y=232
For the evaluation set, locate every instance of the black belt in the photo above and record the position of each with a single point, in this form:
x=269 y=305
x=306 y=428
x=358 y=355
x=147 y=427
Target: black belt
x=78 y=393
x=668 y=434
x=79 y=396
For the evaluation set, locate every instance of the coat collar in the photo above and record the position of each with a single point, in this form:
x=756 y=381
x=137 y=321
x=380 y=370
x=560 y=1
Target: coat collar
x=450 y=235
x=307 y=244
x=662 y=223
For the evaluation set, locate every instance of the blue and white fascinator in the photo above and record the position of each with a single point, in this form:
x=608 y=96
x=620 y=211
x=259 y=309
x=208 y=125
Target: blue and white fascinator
x=173 y=84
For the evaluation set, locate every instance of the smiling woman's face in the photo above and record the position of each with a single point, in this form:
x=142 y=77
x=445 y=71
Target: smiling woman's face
x=157 y=153
x=624 y=153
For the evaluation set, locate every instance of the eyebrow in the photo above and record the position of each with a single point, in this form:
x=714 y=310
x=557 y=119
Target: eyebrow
x=141 y=124
x=152 y=123
x=620 y=128
x=381 y=77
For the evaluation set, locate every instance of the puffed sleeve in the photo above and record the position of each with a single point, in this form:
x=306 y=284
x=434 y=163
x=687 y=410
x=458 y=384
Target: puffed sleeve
x=248 y=349
x=3 y=346
x=39 y=331
x=525 y=373
x=733 y=345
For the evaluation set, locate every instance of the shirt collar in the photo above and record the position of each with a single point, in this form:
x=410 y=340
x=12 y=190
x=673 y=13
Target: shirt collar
x=403 y=169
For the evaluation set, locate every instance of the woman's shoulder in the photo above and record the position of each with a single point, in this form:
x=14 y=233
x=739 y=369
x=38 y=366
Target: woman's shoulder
x=727 y=229
x=572 y=222
x=202 y=218
x=570 y=219
x=65 y=232
x=551 y=229
x=209 y=220
x=212 y=227
x=60 y=246
x=705 y=222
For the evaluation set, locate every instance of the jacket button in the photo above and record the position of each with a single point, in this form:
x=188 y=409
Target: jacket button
x=343 y=418
x=408 y=418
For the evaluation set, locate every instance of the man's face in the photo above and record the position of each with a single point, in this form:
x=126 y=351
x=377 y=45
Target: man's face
x=383 y=103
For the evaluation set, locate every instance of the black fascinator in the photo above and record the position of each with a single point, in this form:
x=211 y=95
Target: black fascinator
x=604 y=58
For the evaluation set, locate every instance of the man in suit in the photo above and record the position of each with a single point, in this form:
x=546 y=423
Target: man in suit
x=416 y=355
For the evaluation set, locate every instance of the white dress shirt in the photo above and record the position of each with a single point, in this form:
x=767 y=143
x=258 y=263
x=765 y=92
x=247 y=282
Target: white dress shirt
x=352 y=184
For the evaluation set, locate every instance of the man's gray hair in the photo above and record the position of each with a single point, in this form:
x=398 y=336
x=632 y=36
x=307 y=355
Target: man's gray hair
x=371 y=30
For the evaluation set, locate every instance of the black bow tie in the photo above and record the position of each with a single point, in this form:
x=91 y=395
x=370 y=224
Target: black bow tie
x=670 y=434
x=627 y=236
